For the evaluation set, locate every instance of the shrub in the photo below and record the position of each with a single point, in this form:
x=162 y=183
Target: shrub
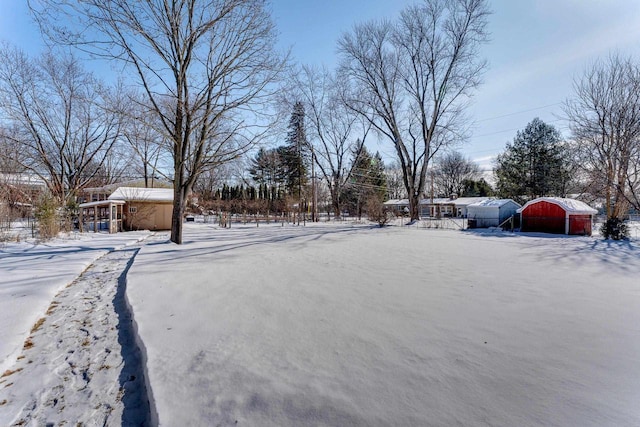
x=47 y=217
x=615 y=228
x=377 y=212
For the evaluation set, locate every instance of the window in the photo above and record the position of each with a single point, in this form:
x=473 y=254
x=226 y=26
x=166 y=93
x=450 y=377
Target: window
x=133 y=209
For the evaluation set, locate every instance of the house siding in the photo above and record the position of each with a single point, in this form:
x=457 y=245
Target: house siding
x=148 y=216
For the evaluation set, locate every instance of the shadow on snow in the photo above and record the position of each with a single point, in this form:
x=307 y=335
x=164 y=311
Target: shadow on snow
x=135 y=396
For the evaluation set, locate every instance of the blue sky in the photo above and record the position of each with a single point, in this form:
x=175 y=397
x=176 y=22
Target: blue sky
x=537 y=47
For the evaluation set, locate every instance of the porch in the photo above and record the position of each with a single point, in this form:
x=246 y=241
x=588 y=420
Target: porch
x=101 y=215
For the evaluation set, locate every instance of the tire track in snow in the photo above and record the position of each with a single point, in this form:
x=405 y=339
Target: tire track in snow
x=81 y=364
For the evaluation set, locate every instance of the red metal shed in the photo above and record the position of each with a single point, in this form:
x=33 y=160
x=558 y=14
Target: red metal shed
x=557 y=215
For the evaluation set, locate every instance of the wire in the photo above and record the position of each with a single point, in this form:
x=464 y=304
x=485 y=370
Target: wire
x=518 y=112
x=515 y=129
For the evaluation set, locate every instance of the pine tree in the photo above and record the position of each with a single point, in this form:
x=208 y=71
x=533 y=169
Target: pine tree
x=378 y=177
x=295 y=155
x=479 y=188
x=368 y=181
x=534 y=165
x=266 y=167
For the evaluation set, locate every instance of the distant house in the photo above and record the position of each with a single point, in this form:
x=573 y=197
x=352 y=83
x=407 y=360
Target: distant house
x=461 y=205
x=455 y=207
x=438 y=207
x=491 y=212
x=557 y=215
x=18 y=193
x=145 y=208
x=397 y=206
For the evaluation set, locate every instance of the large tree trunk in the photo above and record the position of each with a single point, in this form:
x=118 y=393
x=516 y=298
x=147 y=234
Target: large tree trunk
x=414 y=207
x=335 y=201
x=178 y=214
x=176 y=222
x=336 y=209
x=414 y=191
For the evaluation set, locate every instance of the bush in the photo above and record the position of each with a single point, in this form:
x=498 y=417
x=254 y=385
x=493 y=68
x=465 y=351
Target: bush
x=376 y=211
x=47 y=217
x=615 y=229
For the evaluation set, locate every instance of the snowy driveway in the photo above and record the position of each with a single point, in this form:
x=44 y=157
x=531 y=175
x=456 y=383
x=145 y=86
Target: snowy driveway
x=329 y=325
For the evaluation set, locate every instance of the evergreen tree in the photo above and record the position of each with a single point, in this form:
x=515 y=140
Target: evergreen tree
x=295 y=155
x=479 y=188
x=368 y=181
x=378 y=177
x=534 y=165
x=267 y=168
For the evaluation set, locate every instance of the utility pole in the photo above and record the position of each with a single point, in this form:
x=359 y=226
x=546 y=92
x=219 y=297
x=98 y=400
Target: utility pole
x=314 y=193
x=433 y=208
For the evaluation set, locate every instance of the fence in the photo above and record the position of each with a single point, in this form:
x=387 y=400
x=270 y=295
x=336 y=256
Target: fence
x=444 y=223
x=225 y=219
x=16 y=229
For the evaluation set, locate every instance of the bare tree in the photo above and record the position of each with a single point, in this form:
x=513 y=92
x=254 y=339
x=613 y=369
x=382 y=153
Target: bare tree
x=203 y=65
x=145 y=140
x=335 y=132
x=605 y=122
x=450 y=172
x=413 y=79
x=11 y=155
x=61 y=119
x=211 y=180
x=395 y=185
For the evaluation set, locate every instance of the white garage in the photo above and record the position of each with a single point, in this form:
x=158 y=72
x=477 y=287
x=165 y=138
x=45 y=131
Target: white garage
x=490 y=213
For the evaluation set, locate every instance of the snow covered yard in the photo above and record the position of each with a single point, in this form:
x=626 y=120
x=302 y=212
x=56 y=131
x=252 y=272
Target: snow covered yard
x=344 y=325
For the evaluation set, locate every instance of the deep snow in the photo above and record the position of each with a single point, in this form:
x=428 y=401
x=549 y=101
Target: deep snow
x=333 y=324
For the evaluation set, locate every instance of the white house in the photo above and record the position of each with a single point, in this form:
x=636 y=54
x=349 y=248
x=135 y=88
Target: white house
x=461 y=205
x=447 y=207
x=436 y=207
x=398 y=206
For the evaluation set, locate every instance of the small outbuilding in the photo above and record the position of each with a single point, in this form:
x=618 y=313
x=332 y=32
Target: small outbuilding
x=491 y=212
x=557 y=215
x=145 y=208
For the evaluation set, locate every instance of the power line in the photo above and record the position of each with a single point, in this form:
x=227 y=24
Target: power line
x=515 y=129
x=518 y=112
